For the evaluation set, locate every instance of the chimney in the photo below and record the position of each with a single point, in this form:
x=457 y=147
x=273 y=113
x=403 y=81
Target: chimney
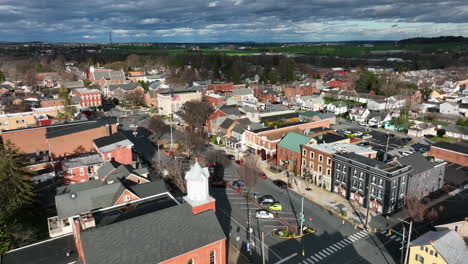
x=77 y=236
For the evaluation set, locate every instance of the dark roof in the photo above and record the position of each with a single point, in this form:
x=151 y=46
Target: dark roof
x=149 y=188
x=230 y=110
x=227 y=123
x=151 y=238
x=278 y=117
x=82 y=161
x=417 y=161
x=457 y=129
x=45 y=252
x=107 y=168
x=239 y=128
x=365 y=160
x=269 y=91
x=280 y=126
x=105 y=141
x=58 y=131
x=329 y=138
x=127 y=86
x=461 y=147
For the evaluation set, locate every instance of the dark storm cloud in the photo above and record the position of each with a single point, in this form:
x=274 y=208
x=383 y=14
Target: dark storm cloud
x=197 y=20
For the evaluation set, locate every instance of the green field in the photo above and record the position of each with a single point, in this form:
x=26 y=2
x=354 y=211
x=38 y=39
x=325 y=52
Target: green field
x=334 y=49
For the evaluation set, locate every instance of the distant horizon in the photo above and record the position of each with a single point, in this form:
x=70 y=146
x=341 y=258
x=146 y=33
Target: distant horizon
x=213 y=21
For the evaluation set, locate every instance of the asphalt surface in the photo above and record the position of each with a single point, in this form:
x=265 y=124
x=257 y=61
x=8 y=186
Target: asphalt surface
x=334 y=242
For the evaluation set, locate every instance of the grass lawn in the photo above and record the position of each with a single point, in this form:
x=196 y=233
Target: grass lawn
x=443 y=139
x=435 y=122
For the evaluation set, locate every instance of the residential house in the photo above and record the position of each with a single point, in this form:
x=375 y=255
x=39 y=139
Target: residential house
x=52 y=102
x=82 y=168
x=451 y=152
x=120 y=91
x=112 y=171
x=73 y=84
x=289 y=151
x=460 y=227
x=373 y=184
x=263 y=141
x=449 y=108
x=271 y=113
x=313 y=103
x=378 y=118
x=116 y=147
x=48 y=79
x=221 y=88
x=237 y=139
x=266 y=94
x=317 y=161
x=359 y=114
x=103 y=77
x=293 y=92
x=439 y=94
x=214 y=100
x=455 y=131
x=171 y=102
x=337 y=108
x=243 y=94
x=420 y=129
x=426 y=177
x=377 y=104
x=225 y=110
x=438 y=247
x=136 y=76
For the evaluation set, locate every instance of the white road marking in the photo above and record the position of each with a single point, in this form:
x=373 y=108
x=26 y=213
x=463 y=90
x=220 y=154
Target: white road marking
x=315 y=258
x=330 y=250
x=392 y=237
x=325 y=252
x=286 y=258
x=310 y=261
x=397 y=239
x=318 y=256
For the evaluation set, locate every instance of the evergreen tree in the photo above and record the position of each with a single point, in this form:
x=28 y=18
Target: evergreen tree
x=69 y=109
x=15 y=187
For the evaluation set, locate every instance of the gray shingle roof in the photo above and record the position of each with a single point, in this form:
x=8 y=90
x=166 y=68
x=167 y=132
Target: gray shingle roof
x=457 y=129
x=82 y=161
x=127 y=86
x=230 y=110
x=242 y=91
x=417 y=162
x=149 y=188
x=447 y=243
x=227 y=123
x=112 y=142
x=108 y=75
x=107 y=168
x=151 y=238
x=86 y=196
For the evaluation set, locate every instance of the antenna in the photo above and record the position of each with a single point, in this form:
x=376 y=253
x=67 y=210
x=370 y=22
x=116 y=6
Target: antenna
x=110 y=39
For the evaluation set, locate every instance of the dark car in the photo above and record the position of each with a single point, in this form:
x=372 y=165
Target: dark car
x=266 y=199
x=231 y=157
x=281 y=184
x=218 y=183
x=238 y=184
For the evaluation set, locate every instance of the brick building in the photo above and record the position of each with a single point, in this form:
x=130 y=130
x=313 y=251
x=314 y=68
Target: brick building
x=90 y=98
x=293 y=92
x=214 y=99
x=51 y=102
x=224 y=110
x=221 y=88
x=289 y=151
x=115 y=147
x=263 y=141
x=317 y=161
x=102 y=76
x=266 y=94
x=451 y=152
x=136 y=76
x=62 y=139
x=81 y=169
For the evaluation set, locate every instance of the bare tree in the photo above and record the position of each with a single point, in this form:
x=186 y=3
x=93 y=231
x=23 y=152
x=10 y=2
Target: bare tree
x=157 y=127
x=249 y=173
x=216 y=156
x=191 y=142
x=195 y=114
x=172 y=170
x=419 y=213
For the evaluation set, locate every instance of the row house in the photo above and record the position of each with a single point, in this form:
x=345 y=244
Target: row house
x=136 y=76
x=340 y=84
x=267 y=95
x=372 y=184
x=90 y=98
x=289 y=151
x=52 y=102
x=223 y=111
x=263 y=141
x=81 y=169
x=116 y=147
x=221 y=88
x=214 y=100
x=102 y=77
x=293 y=92
x=312 y=103
x=317 y=161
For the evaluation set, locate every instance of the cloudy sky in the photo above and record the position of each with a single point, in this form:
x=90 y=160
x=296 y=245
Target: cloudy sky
x=229 y=20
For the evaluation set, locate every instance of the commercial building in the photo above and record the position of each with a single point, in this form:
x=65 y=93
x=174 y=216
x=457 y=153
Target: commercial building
x=171 y=102
x=451 y=152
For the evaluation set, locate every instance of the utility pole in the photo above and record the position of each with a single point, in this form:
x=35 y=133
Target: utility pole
x=368 y=200
x=408 y=240
x=170 y=120
x=402 y=245
x=388 y=139
x=263 y=248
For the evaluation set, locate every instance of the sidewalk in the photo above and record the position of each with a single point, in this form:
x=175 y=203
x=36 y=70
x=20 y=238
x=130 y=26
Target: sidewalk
x=338 y=205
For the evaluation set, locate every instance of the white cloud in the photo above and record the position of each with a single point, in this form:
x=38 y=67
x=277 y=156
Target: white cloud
x=213 y=4
x=149 y=21
x=89 y=37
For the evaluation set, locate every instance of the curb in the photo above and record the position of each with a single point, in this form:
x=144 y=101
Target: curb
x=294 y=236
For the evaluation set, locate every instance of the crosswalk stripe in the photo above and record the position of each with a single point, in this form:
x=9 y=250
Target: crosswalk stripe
x=387 y=235
x=318 y=256
x=353 y=239
x=342 y=243
x=313 y=257
x=347 y=240
x=323 y=254
x=392 y=237
x=329 y=250
x=335 y=246
x=397 y=239
x=310 y=261
x=361 y=235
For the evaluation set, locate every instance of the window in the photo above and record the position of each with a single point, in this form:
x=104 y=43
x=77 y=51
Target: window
x=109 y=156
x=303 y=162
x=344 y=168
x=361 y=175
x=355 y=172
x=311 y=164
x=354 y=183
x=338 y=166
x=328 y=172
x=373 y=179
x=403 y=179
x=81 y=171
x=320 y=168
x=190 y=261
x=126 y=198
x=431 y=252
x=419 y=258
x=320 y=158
x=70 y=173
x=212 y=257
x=304 y=152
x=372 y=190
x=380 y=181
x=337 y=176
x=19 y=121
x=360 y=185
x=329 y=161
x=379 y=193
x=311 y=155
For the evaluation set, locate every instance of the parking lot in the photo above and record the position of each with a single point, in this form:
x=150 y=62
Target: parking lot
x=455 y=174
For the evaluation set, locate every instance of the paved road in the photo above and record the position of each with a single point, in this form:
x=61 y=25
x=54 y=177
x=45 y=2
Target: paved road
x=332 y=243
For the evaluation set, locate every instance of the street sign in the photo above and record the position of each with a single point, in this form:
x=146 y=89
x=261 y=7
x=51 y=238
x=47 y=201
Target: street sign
x=248 y=246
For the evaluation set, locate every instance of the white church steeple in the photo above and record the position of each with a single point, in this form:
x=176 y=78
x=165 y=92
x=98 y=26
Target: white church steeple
x=198 y=193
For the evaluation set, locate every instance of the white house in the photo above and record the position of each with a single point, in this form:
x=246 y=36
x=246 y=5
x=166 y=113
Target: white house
x=337 y=108
x=456 y=131
x=376 y=104
x=359 y=114
x=314 y=103
x=420 y=129
x=449 y=108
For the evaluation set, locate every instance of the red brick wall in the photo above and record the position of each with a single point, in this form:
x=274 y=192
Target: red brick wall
x=52 y=102
x=204 y=207
x=122 y=155
x=92 y=99
x=450 y=156
x=315 y=160
x=301 y=91
x=202 y=255
x=213 y=101
x=222 y=87
x=121 y=199
x=283 y=154
x=75 y=176
x=28 y=140
x=213 y=116
x=81 y=142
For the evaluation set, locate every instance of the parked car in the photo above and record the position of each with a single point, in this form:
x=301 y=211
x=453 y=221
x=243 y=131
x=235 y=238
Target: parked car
x=266 y=199
x=281 y=184
x=238 y=184
x=264 y=214
x=406 y=153
x=362 y=123
x=358 y=133
x=240 y=162
x=263 y=176
x=367 y=136
x=276 y=206
x=231 y=157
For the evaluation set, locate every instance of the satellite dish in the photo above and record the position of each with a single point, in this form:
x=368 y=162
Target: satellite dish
x=73 y=195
